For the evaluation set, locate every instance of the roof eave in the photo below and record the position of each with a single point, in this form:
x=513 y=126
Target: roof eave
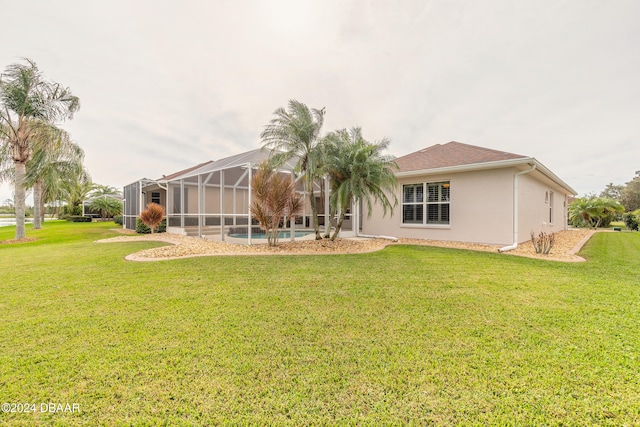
x=490 y=165
x=553 y=177
x=467 y=167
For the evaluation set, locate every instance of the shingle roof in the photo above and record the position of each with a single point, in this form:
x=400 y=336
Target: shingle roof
x=451 y=154
x=192 y=168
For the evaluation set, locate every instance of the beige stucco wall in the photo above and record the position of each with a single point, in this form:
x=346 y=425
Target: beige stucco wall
x=481 y=209
x=163 y=197
x=537 y=194
x=212 y=201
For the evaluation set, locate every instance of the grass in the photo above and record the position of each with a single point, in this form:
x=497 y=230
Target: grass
x=408 y=335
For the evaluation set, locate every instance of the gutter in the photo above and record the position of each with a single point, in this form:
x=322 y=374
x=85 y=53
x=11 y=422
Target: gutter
x=515 y=209
x=467 y=167
x=491 y=165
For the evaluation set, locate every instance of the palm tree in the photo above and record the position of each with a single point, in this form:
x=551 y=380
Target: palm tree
x=104 y=190
x=49 y=167
x=75 y=191
x=25 y=96
x=592 y=211
x=607 y=210
x=358 y=170
x=294 y=132
x=275 y=200
x=55 y=160
x=108 y=206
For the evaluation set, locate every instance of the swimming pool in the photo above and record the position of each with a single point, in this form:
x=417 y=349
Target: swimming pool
x=285 y=234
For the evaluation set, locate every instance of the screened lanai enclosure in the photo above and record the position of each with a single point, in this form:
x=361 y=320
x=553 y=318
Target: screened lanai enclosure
x=212 y=200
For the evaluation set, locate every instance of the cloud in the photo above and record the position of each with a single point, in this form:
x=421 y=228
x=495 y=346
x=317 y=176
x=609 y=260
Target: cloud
x=165 y=85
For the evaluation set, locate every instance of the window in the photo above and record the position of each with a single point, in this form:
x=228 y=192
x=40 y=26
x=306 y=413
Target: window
x=550 y=207
x=155 y=197
x=434 y=209
x=413 y=204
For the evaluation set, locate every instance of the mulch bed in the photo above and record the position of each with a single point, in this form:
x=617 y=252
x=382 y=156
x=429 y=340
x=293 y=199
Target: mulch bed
x=23 y=240
x=183 y=247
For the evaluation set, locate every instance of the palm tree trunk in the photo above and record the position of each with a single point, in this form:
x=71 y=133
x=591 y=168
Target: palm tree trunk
x=42 y=211
x=343 y=214
x=20 y=195
x=314 y=211
x=37 y=204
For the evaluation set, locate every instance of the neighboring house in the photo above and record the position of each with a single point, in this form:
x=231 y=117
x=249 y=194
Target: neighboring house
x=460 y=192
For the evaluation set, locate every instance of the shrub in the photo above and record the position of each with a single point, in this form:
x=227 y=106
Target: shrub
x=118 y=219
x=152 y=216
x=631 y=220
x=543 y=243
x=275 y=198
x=71 y=210
x=141 y=228
x=78 y=218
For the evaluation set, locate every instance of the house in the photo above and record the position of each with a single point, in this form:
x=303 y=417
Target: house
x=461 y=192
x=453 y=192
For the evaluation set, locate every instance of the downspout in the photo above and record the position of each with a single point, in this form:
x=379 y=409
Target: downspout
x=249 y=219
x=515 y=210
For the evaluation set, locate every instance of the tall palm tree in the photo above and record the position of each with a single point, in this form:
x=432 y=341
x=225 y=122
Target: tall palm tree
x=294 y=133
x=55 y=159
x=6 y=162
x=25 y=96
x=50 y=166
x=358 y=170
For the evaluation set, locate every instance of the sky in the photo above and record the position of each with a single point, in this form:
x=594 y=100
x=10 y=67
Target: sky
x=165 y=85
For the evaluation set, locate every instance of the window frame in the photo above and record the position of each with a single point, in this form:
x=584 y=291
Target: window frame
x=155 y=195
x=423 y=201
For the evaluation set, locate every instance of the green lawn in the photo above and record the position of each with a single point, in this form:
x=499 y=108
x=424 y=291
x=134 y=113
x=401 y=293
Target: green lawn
x=408 y=335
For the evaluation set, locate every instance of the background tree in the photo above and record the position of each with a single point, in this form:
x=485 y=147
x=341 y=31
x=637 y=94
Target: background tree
x=358 y=170
x=108 y=206
x=59 y=172
x=294 y=133
x=55 y=159
x=593 y=211
x=612 y=191
x=74 y=191
x=632 y=220
x=630 y=195
x=104 y=190
x=152 y=216
x=275 y=199
x=26 y=96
